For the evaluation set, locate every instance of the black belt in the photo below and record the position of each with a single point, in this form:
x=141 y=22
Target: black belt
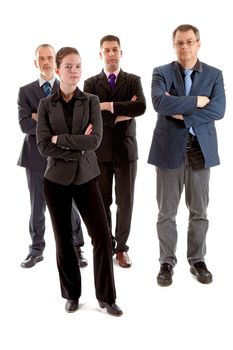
x=192 y=137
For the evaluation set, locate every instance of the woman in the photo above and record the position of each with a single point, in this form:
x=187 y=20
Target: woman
x=69 y=130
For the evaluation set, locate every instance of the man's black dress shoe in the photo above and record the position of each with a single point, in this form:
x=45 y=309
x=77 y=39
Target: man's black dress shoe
x=31 y=260
x=164 y=278
x=112 y=309
x=201 y=272
x=71 y=305
x=82 y=261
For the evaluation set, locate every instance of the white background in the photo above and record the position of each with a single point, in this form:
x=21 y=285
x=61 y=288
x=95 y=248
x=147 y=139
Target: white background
x=186 y=315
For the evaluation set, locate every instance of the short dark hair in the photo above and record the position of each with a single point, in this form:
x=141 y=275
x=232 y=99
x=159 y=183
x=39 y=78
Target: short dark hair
x=65 y=51
x=110 y=38
x=185 y=28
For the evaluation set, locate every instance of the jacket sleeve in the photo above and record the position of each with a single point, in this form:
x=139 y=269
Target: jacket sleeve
x=132 y=108
x=27 y=124
x=214 y=110
x=168 y=105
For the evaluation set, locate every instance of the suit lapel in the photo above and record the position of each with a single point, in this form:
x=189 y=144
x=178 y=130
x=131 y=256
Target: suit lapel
x=121 y=81
x=80 y=118
x=196 y=83
x=38 y=90
x=55 y=85
x=178 y=80
x=57 y=119
x=103 y=82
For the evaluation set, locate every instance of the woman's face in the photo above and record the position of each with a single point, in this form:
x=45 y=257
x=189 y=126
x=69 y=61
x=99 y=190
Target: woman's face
x=70 y=70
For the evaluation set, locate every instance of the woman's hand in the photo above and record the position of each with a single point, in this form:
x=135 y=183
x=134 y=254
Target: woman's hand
x=88 y=130
x=54 y=139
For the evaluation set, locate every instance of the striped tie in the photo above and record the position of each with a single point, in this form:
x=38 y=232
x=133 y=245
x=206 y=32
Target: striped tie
x=47 y=88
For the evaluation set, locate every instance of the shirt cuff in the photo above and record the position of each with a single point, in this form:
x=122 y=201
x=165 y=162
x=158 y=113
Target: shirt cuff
x=112 y=109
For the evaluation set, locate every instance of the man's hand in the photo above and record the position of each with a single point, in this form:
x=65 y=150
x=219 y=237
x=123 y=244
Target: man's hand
x=202 y=101
x=178 y=116
x=122 y=118
x=106 y=106
x=35 y=116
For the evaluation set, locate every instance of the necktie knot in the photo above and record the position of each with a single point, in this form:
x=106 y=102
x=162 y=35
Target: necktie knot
x=112 y=80
x=47 y=88
x=188 y=72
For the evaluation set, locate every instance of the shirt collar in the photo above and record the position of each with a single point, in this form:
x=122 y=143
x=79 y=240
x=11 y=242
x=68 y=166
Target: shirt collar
x=196 y=67
x=42 y=81
x=116 y=72
x=76 y=95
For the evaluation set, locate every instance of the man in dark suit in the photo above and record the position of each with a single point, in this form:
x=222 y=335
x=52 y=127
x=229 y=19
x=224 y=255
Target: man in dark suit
x=28 y=100
x=189 y=97
x=121 y=100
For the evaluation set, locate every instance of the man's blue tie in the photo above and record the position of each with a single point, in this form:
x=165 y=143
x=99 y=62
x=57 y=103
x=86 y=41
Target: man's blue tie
x=112 y=80
x=187 y=80
x=188 y=84
x=47 y=88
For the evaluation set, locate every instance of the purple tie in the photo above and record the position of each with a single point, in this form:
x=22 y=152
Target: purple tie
x=112 y=80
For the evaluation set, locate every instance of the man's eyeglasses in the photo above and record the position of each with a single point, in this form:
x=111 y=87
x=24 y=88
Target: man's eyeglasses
x=189 y=43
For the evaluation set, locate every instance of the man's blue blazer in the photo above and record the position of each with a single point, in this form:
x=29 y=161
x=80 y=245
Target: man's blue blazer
x=170 y=136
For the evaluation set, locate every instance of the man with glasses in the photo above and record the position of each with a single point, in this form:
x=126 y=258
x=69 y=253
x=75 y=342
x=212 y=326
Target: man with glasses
x=189 y=97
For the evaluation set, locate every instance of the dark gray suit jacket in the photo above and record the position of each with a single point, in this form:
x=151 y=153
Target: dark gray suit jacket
x=29 y=97
x=119 y=140
x=170 y=135
x=72 y=159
